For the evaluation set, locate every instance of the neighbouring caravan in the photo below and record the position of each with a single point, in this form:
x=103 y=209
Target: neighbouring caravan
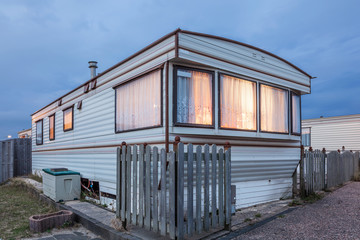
x=203 y=88
x=332 y=133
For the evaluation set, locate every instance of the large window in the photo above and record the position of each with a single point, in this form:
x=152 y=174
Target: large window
x=68 y=119
x=237 y=103
x=52 y=127
x=274 y=109
x=295 y=105
x=39 y=132
x=306 y=137
x=194 y=97
x=138 y=103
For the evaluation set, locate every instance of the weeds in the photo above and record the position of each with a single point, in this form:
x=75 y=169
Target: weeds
x=258 y=215
x=35 y=177
x=281 y=216
x=247 y=220
x=294 y=203
x=312 y=198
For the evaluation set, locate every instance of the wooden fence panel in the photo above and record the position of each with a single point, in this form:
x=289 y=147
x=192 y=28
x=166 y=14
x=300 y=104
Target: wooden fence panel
x=144 y=198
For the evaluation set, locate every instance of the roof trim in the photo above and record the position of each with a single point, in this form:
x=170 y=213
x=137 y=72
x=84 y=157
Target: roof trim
x=245 y=45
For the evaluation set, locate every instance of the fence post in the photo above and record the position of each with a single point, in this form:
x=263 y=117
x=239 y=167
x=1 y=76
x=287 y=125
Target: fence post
x=175 y=149
x=227 y=179
x=323 y=159
x=180 y=192
x=302 y=177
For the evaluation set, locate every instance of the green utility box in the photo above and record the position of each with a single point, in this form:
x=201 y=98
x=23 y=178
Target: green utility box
x=61 y=184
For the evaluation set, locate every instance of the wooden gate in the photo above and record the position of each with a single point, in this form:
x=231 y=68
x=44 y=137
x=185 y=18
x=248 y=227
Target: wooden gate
x=176 y=194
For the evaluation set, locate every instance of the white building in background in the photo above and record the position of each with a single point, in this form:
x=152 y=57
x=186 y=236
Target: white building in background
x=26 y=133
x=332 y=133
x=203 y=88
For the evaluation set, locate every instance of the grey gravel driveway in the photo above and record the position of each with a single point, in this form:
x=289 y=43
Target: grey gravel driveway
x=337 y=216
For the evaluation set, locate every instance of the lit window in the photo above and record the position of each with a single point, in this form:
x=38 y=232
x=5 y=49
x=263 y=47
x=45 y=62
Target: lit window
x=39 y=132
x=52 y=127
x=68 y=119
x=273 y=109
x=138 y=103
x=306 y=137
x=237 y=103
x=194 y=97
x=295 y=103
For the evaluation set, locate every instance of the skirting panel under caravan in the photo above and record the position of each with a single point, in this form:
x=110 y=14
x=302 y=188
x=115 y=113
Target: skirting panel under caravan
x=262 y=174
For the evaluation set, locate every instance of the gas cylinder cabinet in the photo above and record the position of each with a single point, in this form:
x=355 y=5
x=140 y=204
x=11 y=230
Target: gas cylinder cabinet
x=61 y=184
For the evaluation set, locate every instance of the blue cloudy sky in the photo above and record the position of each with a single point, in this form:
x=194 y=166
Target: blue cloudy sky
x=45 y=44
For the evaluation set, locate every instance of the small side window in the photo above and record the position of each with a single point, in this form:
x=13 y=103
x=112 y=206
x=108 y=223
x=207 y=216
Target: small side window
x=52 y=127
x=39 y=132
x=68 y=119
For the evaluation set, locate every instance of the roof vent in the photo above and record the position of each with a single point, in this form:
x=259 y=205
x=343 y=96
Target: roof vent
x=93 y=67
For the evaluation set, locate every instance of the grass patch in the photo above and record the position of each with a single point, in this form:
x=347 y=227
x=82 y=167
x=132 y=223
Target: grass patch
x=281 y=216
x=16 y=206
x=258 y=215
x=35 y=177
x=312 y=198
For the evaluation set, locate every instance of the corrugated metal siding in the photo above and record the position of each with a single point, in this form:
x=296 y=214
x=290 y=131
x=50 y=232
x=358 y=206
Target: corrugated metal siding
x=333 y=133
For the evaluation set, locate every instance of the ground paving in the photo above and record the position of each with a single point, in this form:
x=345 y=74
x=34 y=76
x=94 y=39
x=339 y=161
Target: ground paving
x=336 y=216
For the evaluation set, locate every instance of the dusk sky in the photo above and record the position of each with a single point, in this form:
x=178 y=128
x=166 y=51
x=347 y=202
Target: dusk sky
x=45 y=45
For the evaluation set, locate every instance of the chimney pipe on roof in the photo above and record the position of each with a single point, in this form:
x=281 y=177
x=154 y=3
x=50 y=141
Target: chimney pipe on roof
x=93 y=67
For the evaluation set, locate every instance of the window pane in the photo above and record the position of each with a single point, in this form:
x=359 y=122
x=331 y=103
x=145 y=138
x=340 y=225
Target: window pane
x=237 y=103
x=68 y=119
x=52 y=127
x=305 y=136
x=274 y=109
x=39 y=132
x=138 y=103
x=194 y=97
x=295 y=113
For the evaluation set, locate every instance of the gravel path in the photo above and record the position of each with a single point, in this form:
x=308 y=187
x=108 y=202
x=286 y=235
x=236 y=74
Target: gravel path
x=337 y=216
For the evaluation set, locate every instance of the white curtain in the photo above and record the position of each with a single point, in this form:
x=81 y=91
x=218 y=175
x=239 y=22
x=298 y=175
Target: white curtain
x=274 y=109
x=138 y=103
x=68 y=118
x=296 y=113
x=194 y=97
x=39 y=132
x=237 y=103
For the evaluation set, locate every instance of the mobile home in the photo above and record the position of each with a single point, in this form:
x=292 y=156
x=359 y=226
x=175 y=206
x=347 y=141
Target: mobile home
x=202 y=88
x=332 y=133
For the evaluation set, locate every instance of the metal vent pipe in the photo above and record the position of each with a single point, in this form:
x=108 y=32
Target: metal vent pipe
x=93 y=67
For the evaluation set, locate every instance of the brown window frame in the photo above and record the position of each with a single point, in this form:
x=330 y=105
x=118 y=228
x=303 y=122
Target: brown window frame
x=52 y=116
x=288 y=109
x=160 y=68
x=72 y=119
x=42 y=132
x=256 y=102
x=291 y=108
x=175 y=122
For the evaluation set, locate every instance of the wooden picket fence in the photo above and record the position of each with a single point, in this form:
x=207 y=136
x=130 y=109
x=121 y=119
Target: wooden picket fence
x=319 y=171
x=177 y=194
